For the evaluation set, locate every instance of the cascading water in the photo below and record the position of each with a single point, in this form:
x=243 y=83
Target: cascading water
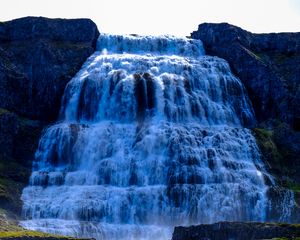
x=151 y=136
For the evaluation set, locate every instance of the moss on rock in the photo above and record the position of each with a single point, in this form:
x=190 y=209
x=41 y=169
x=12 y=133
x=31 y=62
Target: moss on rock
x=280 y=148
x=269 y=150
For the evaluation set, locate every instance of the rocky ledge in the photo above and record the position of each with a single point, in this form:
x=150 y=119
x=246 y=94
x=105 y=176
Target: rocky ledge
x=237 y=231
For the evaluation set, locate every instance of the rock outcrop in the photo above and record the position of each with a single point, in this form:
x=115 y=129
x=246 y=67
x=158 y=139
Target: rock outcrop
x=236 y=231
x=38 y=56
x=269 y=67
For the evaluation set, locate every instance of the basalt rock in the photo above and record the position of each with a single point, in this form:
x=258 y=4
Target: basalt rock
x=268 y=65
x=38 y=56
x=8 y=130
x=236 y=231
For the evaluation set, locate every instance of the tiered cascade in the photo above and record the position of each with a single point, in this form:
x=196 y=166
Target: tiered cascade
x=151 y=135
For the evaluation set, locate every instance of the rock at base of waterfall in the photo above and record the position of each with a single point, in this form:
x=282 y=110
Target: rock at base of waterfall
x=237 y=231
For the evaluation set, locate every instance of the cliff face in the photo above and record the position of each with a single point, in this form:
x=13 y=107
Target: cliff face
x=269 y=67
x=38 y=56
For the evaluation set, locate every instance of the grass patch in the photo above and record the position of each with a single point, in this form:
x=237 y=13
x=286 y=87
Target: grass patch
x=262 y=132
x=26 y=233
x=10 y=229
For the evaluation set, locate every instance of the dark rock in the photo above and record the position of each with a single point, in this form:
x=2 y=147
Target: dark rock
x=8 y=131
x=280 y=148
x=19 y=137
x=18 y=142
x=26 y=141
x=236 y=231
x=282 y=205
x=38 y=56
x=268 y=65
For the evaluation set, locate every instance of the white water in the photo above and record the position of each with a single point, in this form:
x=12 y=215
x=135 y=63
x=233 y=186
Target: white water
x=151 y=136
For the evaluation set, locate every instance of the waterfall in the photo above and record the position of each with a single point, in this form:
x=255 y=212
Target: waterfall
x=152 y=134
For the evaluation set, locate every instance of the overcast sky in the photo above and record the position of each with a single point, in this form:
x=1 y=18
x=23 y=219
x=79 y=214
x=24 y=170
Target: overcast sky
x=153 y=17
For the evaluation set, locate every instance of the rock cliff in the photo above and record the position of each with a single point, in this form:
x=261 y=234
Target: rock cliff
x=38 y=56
x=269 y=67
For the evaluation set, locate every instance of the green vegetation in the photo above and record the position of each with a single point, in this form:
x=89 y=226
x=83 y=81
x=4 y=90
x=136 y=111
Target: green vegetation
x=277 y=154
x=2 y=111
x=293 y=186
x=268 y=147
x=25 y=233
x=260 y=57
x=13 y=178
x=11 y=230
x=15 y=167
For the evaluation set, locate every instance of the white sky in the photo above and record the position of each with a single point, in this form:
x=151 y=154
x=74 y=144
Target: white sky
x=153 y=17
